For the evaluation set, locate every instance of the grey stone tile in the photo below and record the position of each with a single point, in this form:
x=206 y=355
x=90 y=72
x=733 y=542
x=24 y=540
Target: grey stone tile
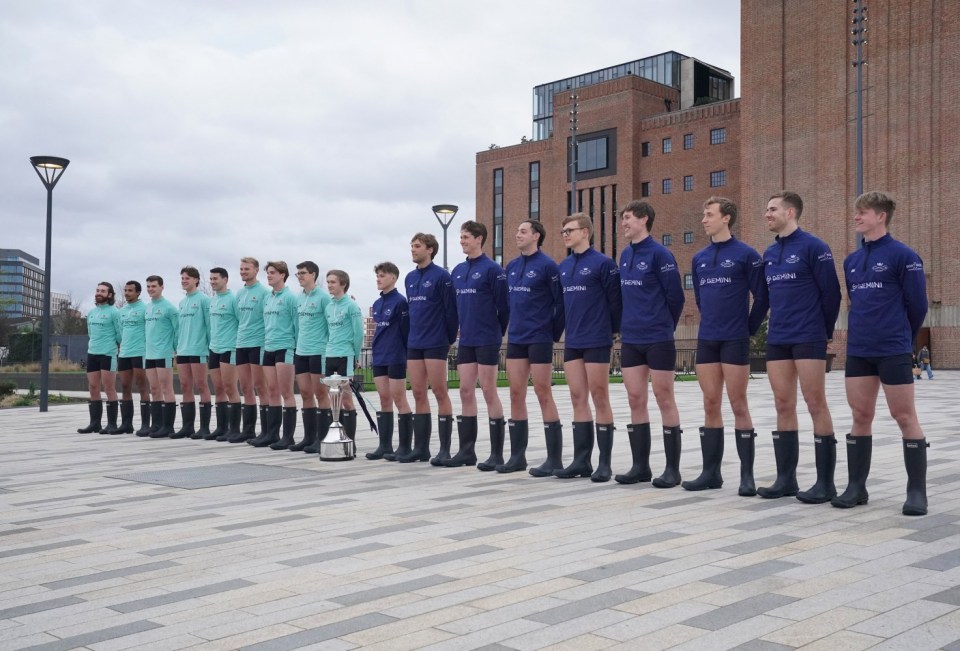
x=179 y=595
x=13 y=532
x=739 y=611
x=109 y=574
x=54 y=501
x=934 y=533
x=379 y=531
x=334 y=554
x=669 y=504
x=446 y=509
x=617 y=568
x=36 y=549
x=951 y=596
x=312 y=504
x=928 y=521
x=134 y=498
x=198 y=544
x=761 y=645
x=64 y=516
x=93 y=637
x=632 y=543
x=946 y=561
x=364 y=596
x=756 y=544
x=466 y=496
x=516 y=512
x=488 y=531
x=38 y=607
x=582 y=607
x=249 y=524
x=456 y=555
x=170 y=521
x=939 y=480
x=375 y=488
x=751 y=573
x=322 y=633
x=216 y=506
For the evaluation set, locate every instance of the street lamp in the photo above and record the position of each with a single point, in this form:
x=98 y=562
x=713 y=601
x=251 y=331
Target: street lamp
x=49 y=169
x=448 y=212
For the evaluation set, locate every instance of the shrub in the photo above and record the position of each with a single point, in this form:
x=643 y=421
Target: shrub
x=7 y=388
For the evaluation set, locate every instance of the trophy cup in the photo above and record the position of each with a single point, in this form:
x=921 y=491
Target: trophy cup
x=336 y=445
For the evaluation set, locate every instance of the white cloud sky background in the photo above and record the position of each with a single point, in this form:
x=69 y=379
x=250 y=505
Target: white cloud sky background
x=290 y=130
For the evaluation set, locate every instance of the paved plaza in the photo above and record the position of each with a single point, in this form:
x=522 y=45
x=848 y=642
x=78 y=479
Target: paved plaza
x=119 y=542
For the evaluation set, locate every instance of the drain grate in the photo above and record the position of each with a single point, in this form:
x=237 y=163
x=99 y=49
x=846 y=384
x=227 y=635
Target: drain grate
x=221 y=475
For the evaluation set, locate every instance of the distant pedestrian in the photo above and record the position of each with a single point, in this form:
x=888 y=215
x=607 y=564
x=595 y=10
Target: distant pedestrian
x=924 y=358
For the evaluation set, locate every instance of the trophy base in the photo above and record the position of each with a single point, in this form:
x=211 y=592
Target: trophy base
x=338 y=450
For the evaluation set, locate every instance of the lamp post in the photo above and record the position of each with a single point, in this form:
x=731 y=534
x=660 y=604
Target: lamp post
x=448 y=212
x=49 y=169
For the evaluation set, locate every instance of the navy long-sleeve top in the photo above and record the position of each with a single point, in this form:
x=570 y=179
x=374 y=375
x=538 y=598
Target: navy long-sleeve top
x=536 y=299
x=591 y=299
x=652 y=292
x=803 y=287
x=392 y=318
x=888 y=298
x=725 y=275
x=482 y=303
x=433 y=307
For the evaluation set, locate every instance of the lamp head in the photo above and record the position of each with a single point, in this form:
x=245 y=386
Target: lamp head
x=49 y=169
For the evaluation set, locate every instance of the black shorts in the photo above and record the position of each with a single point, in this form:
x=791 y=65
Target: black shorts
x=337 y=366
x=599 y=355
x=439 y=352
x=216 y=359
x=534 y=353
x=806 y=350
x=158 y=363
x=486 y=355
x=274 y=357
x=393 y=371
x=308 y=364
x=191 y=359
x=895 y=369
x=129 y=363
x=252 y=355
x=735 y=351
x=659 y=356
x=97 y=363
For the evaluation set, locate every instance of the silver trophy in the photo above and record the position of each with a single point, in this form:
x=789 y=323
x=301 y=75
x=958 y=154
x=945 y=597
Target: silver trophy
x=336 y=445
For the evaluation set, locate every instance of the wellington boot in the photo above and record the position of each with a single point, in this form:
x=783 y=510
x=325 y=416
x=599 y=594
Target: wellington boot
x=404 y=437
x=786 y=449
x=263 y=421
x=672 y=445
x=234 y=418
x=271 y=418
x=467 y=433
x=497 y=432
x=188 y=418
x=249 y=429
x=348 y=421
x=711 y=447
x=126 y=417
x=824 y=489
x=309 y=416
x=145 y=409
x=859 y=455
x=156 y=417
x=746 y=451
x=915 y=460
x=422 y=424
x=289 y=428
x=444 y=434
x=222 y=411
x=113 y=410
x=581 y=466
x=553 y=437
x=385 y=432
x=205 y=411
x=605 y=447
x=95 y=407
x=167 y=420
x=519 y=435
x=639 y=435
x=324 y=420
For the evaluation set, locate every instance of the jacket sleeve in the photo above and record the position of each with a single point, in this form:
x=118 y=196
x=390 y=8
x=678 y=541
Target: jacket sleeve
x=669 y=277
x=403 y=316
x=449 y=300
x=174 y=315
x=758 y=289
x=501 y=298
x=356 y=319
x=611 y=284
x=117 y=326
x=913 y=281
x=559 y=313
x=696 y=282
x=825 y=275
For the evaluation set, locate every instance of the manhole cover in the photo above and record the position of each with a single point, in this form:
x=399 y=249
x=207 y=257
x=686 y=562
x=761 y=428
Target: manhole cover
x=210 y=476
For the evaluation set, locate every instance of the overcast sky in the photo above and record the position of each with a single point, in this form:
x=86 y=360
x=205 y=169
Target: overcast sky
x=200 y=132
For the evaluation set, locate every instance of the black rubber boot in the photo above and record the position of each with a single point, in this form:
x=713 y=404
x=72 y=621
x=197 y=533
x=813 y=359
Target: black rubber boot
x=385 y=432
x=126 y=417
x=746 y=450
x=519 y=435
x=263 y=421
x=915 y=460
x=271 y=419
x=95 y=407
x=672 y=444
x=639 y=435
x=581 y=466
x=223 y=425
x=249 y=429
x=824 y=489
x=604 y=472
x=467 y=433
x=553 y=437
x=422 y=424
x=497 y=432
x=234 y=418
x=786 y=449
x=310 y=416
x=289 y=428
x=404 y=437
x=859 y=455
x=348 y=421
x=168 y=416
x=145 y=410
x=113 y=410
x=205 y=412
x=324 y=420
x=188 y=417
x=156 y=418
x=711 y=447
x=444 y=434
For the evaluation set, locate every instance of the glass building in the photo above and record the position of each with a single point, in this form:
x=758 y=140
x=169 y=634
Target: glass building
x=21 y=285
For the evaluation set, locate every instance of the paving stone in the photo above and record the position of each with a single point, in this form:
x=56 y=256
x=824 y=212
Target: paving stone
x=585 y=606
x=321 y=633
x=109 y=574
x=737 y=612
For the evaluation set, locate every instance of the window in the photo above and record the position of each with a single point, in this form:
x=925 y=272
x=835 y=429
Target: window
x=718 y=136
x=535 y=190
x=498 y=215
x=688 y=281
x=645 y=189
x=667 y=239
x=667 y=145
x=644 y=149
x=687 y=183
x=688 y=237
x=592 y=154
x=667 y=185
x=688 y=141
x=718 y=178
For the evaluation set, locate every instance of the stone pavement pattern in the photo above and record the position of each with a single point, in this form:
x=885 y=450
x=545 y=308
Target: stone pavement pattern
x=304 y=554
